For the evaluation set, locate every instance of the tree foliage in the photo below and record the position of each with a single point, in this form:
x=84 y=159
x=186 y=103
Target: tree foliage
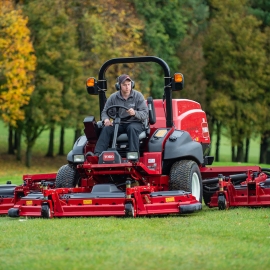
x=234 y=69
x=17 y=63
x=261 y=9
x=52 y=46
x=58 y=67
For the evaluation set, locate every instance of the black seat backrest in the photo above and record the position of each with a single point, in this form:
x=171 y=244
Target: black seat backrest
x=152 y=112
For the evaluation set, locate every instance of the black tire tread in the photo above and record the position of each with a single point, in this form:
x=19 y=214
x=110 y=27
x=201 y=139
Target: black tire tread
x=180 y=176
x=67 y=177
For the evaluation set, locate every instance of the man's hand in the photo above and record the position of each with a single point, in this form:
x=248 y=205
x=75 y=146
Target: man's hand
x=107 y=122
x=131 y=112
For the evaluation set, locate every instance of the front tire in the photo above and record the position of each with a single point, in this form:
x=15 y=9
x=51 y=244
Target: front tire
x=67 y=177
x=185 y=175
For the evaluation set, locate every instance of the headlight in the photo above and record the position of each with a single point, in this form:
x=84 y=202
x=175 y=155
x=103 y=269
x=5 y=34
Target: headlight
x=133 y=156
x=78 y=158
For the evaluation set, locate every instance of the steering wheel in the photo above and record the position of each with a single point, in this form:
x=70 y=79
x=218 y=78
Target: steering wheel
x=116 y=107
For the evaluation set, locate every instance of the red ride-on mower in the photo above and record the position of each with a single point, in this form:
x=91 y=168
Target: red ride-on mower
x=163 y=178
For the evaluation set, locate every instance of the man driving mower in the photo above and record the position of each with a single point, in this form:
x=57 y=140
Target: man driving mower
x=132 y=120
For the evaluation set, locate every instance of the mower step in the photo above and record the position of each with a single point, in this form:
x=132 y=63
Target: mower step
x=93 y=195
x=33 y=196
x=169 y=193
x=98 y=191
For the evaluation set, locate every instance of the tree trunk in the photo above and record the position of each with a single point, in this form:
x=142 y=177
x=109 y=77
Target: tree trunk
x=247 y=149
x=77 y=134
x=218 y=124
x=51 y=143
x=18 y=139
x=10 y=141
x=62 y=142
x=233 y=153
x=28 y=155
x=15 y=139
x=265 y=144
x=240 y=152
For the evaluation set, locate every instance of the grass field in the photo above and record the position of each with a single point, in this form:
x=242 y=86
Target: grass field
x=211 y=239
x=238 y=238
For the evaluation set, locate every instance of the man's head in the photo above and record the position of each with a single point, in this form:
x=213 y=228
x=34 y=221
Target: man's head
x=125 y=84
x=123 y=78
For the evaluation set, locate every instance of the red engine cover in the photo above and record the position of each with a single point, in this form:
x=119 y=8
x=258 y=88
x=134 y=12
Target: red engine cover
x=187 y=115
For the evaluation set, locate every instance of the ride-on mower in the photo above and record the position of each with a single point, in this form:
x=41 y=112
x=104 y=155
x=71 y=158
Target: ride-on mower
x=163 y=178
x=169 y=175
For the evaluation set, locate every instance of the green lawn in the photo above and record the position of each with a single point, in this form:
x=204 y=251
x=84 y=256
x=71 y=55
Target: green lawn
x=210 y=239
x=238 y=238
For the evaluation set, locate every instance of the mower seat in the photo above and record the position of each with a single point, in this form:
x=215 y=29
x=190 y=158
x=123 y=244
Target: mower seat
x=124 y=137
x=152 y=120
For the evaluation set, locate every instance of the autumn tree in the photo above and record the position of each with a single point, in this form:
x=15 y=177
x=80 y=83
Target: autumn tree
x=17 y=65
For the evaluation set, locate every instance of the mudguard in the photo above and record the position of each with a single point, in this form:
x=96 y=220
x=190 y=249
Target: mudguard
x=180 y=145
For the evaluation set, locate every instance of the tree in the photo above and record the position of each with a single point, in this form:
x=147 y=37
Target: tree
x=17 y=63
x=115 y=31
x=234 y=70
x=261 y=9
x=190 y=51
x=164 y=28
x=58 y=66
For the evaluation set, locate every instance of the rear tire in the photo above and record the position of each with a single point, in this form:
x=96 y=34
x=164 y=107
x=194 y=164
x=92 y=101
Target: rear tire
x=185 y=175
x=67 y=177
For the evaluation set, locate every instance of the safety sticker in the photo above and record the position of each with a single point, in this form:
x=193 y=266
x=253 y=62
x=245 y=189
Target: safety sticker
x=170 y=199
x=87 y=201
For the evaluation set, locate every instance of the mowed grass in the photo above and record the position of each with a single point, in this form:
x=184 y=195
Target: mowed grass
x=210 y=239
x=238 y=238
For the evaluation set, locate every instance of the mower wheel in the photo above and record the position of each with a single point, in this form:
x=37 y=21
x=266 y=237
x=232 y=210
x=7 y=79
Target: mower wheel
x=129 y=210
x=45 y=211
x=222 y=203
x=13 y=212
x=185 y=175
x=67 y=177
